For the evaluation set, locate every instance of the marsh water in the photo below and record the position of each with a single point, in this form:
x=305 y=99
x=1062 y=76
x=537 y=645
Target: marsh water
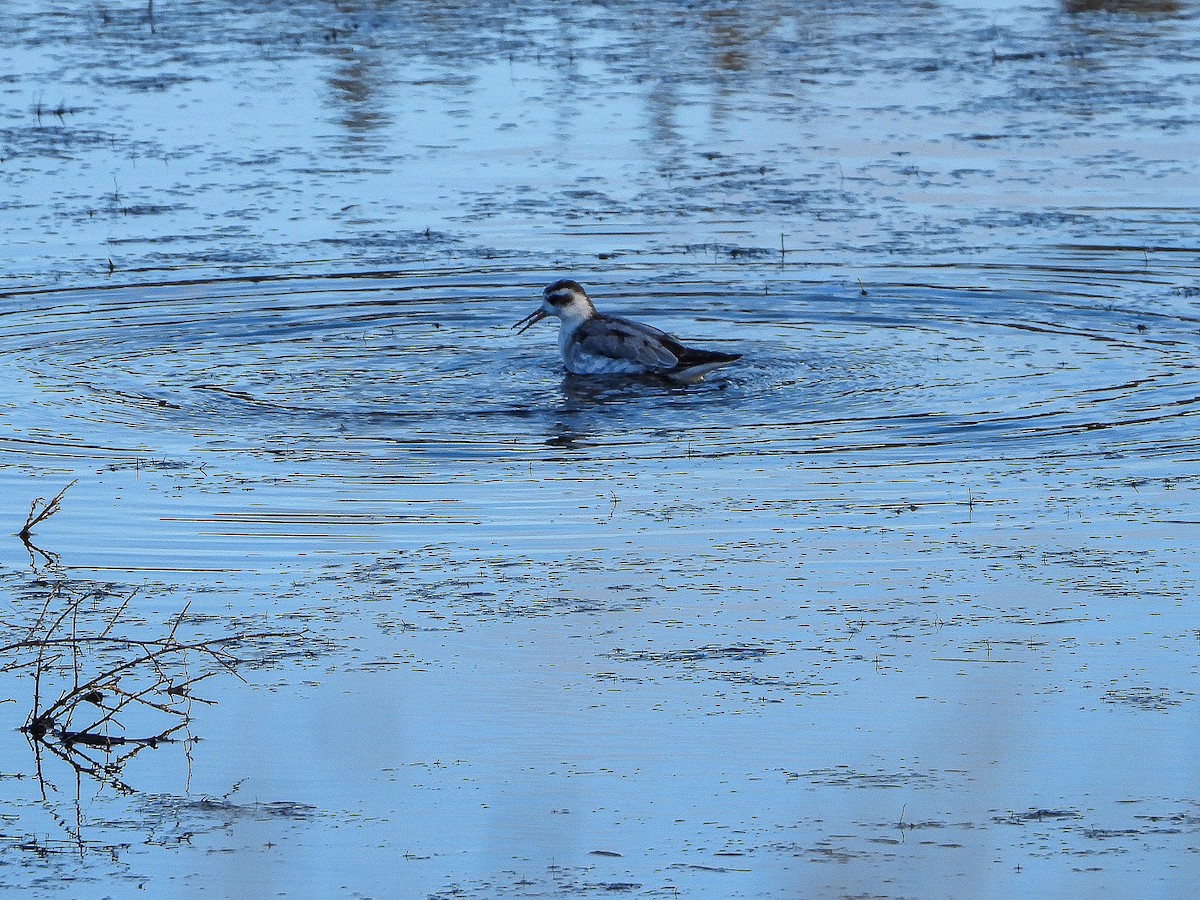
x=901 y=605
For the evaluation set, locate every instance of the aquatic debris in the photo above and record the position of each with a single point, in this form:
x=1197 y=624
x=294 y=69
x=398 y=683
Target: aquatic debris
x=38 y=516
x=40 y=510
x=1146 y=698
x=1036 y=815
x=736 y=652
x=135 y=681
x=845 y=776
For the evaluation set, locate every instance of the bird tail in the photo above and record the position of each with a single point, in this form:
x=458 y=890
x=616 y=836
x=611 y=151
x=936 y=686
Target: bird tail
x=698 y=363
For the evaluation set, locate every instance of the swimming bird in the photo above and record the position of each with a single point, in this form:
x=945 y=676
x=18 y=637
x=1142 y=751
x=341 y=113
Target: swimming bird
x=593 y=343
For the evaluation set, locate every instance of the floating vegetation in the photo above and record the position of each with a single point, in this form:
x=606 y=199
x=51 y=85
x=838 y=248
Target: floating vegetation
x=734 y=652
x=1036 y=815
x=1145 y=698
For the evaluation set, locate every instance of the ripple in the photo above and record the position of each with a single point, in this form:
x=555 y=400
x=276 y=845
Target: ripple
x=346 y=366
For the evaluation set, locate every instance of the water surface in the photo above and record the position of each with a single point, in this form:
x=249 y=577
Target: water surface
x=900 y=605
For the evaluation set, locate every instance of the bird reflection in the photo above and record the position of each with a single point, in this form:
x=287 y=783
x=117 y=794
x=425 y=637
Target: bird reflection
x=595 y=409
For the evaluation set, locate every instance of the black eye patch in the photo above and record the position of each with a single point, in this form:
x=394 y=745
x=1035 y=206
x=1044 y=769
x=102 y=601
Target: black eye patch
x=558 y=299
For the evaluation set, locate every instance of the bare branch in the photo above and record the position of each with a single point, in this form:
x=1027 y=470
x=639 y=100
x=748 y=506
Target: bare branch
x=37 y=516
x=112 y=679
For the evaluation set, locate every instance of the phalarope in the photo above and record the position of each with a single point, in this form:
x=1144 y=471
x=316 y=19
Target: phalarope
x=592 y=343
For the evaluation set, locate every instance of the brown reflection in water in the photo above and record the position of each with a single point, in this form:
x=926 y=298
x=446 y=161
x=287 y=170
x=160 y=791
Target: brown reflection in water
x=360 y=81
x=729 y=39
x=1149 y=8
x=666 y=139
x=567 y=87
x=357 y=90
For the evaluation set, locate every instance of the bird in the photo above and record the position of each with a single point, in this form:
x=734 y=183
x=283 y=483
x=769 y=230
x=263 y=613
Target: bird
x=593 y=343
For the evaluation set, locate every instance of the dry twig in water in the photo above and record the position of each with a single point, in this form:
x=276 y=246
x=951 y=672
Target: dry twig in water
x=144 y=681
x=37 y=516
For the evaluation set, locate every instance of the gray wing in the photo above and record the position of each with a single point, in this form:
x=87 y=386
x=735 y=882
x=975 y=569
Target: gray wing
x=622 y=339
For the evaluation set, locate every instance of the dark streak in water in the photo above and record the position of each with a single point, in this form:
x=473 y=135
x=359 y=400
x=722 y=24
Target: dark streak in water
x=361 y=365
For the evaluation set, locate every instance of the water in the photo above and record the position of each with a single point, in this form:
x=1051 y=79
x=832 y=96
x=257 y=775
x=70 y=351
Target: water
x=899 y=605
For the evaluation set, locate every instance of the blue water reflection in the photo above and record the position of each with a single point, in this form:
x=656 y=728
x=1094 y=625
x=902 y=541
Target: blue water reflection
x=898 y=605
